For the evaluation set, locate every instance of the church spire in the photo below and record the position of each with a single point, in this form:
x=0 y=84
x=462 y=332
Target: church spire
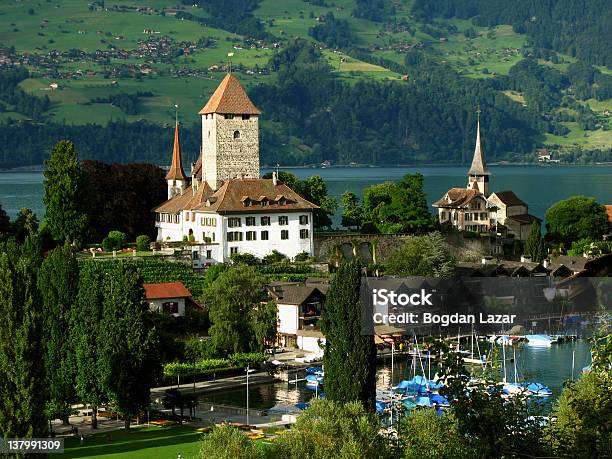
x=176 y=171
x=479 y=166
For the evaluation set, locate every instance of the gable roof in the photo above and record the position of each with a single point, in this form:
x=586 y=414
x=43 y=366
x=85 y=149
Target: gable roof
x=166 y=290
x=509 y=198
x=230 y=98
x=295 y=294
x=255 y=195
x=176 y=171
x=189 y=200
x=524 y=219
x=479 y=165
x=458 y=197
x=238 y=195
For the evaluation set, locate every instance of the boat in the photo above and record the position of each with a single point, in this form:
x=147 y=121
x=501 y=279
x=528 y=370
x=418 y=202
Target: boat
x=314 y=371
x=540 y=340
x=314 y=380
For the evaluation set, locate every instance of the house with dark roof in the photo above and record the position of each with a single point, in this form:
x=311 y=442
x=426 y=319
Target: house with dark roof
x=474 y=209
x=225 y=208
x=168 y=298
x=298 y=314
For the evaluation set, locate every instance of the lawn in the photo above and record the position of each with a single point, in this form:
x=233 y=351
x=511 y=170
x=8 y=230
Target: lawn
x=140 y=442
x=589 y=139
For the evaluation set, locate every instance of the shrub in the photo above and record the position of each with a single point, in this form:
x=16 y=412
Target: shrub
x=244 y=359
x=275 y=257
x=115 y=240
x=143 y=243
x=227 y=442
x=107 y=244
x=304 y=256
x=244 y=259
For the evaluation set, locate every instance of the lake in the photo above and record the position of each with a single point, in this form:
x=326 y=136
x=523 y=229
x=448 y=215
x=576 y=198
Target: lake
x=550 y=366
x=538 y=186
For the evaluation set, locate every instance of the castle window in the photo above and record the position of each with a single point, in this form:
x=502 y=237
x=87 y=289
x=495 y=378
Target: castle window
x=283 y=220
x=264 y=235
x=233 y=250
x=250 y=221
x=251 y=235
x=246 y=117
x=236 y=134
x=228 y=117
x=233 y=222
x=265 y=221
x=303 y=234
x=284 y=235
x=303 y=219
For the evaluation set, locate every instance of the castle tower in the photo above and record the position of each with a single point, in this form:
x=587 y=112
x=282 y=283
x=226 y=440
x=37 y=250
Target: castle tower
x=478 y=175
x=176 y=178
x=230 y=135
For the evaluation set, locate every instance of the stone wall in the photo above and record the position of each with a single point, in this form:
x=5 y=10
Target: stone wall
x=376 y=248
x=226 y=156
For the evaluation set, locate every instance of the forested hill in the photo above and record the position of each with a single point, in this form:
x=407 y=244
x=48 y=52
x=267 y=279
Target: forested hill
x=344 y=81
x=579 y=28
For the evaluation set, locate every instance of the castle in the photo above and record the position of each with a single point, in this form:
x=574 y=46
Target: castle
x=225 y=208
x=474 y=209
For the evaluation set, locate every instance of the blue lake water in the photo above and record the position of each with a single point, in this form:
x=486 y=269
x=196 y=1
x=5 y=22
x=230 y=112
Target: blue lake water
x=550 y=366
x=538 y=186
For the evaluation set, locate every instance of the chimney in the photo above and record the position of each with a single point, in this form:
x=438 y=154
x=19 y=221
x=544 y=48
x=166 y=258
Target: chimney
x=274 y=178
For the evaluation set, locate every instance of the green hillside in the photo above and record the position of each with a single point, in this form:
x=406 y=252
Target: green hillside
x=133 y=61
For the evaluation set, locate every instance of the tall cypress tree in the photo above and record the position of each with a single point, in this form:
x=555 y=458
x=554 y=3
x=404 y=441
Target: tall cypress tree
x=64 y=197
x=350 y=356
x=534 y=246
x=22 y=389
x=58 y=284
x=86 y=319
x=129 y=355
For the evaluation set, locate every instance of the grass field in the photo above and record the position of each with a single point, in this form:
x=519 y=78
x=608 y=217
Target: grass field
x=37 y=27
x=140 y=442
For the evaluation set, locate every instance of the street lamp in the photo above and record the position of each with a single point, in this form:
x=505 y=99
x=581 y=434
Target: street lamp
x=248 y=370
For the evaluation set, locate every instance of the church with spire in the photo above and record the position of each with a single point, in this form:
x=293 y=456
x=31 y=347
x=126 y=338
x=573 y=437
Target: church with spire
x=224 y=207
x=475 y=209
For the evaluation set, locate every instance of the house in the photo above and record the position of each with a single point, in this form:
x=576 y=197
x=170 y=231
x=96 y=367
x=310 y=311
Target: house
x=544 y=155
x=168 y=297
x=299 y=311
x=224 y=207
x=475 y=209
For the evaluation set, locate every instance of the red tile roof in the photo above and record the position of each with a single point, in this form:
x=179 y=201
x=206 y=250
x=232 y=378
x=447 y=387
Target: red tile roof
x=230 y=98
x=609 y=211
x=166 y=290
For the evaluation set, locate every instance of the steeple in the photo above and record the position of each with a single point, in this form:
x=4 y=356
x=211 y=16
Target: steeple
x=176 y=178
x=479 y=172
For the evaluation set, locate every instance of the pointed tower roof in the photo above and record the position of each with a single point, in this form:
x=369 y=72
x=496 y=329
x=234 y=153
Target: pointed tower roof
x=479 y=166
x=230 y=98
x=176 y=171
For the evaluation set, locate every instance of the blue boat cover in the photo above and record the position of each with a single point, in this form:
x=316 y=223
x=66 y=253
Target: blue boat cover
x=423 y=401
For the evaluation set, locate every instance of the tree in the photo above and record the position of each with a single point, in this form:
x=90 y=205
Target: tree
x=64 y=198
x=22 y=388
x=351 y=212
x=85 y=327
x=263 y=320
x=129 y=351
x=534 y=246
x=331 y=429
x=581 y=424
x=397 y=207
x=314 y=189
x=426 y=256
x=350 y=356
x=25 y=224
x=576 y=218
x=227 y=442
x=424 y=433
x=231 y=298
x=5 y=223
x=58 y=280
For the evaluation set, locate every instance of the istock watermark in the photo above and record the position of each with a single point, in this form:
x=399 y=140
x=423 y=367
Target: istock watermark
x=395 y=305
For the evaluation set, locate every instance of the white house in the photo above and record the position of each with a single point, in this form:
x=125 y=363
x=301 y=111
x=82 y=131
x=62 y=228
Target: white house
x=168 y=297
x=299 y=311
x=224 y=207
